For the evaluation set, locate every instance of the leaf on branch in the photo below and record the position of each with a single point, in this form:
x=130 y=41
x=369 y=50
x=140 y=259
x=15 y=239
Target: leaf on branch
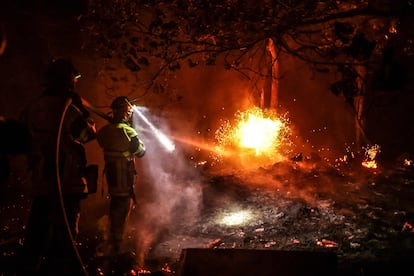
x=343 y=31
x=132 y=52
x=323 y=70
x=134 y=40
x=211 y=60
x=174 y=66
x=143 y=61
x=360 y=48
x=345 y=87
x=336 y=88
x=192 y=63
x=158 y=88
x=153 y=44
x=169 y=26
x=131 y=65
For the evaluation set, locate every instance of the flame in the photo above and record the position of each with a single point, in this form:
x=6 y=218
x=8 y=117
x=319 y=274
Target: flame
x=142 y=271
x=166 y=268
x=370 y=164
x=370 y=155
x=407 y=227
x=393 y=28
x=253 y=130
x=258 y=133
x=408 y=162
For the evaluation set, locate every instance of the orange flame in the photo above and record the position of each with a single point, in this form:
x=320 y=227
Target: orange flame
x=370 y=164
x=408 y=162
x=257 y=132
x=370 y=155
x=253 y=129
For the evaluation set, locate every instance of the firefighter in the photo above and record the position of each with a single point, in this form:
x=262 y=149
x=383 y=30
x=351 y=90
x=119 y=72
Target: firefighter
x=121 y=144
x=59 y=126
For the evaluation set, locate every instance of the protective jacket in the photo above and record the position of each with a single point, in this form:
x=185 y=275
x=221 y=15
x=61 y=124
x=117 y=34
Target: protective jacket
x=120 y=143
x=43 y=118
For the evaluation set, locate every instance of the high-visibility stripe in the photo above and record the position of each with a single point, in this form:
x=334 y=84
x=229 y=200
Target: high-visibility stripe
x=117 y=154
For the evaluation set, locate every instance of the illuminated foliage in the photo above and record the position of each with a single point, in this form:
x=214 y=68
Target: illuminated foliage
x=171 y=34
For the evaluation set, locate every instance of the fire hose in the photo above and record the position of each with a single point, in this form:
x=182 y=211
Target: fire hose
x=95 y=110
x=59 y=186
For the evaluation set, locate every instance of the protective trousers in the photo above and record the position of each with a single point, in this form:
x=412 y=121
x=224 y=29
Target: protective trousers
x=119 y=209
x=120 y=175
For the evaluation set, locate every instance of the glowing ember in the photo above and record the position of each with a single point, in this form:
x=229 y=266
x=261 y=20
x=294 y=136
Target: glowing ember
x=326 y=243
x=407 y=227
x=166 y=268
x=370 y=164
x=370 y=155
x=408 y=162
x=236 y=218
x=142 y=271
x=255 y=130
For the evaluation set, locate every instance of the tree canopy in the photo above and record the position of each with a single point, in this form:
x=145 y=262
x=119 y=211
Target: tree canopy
x=327 y=34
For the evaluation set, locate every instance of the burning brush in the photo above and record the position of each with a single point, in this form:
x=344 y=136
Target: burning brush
x=405 y=161
x=254 y=133
x=370 y=155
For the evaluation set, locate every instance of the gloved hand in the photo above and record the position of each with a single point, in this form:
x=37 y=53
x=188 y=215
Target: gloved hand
x=141 y=150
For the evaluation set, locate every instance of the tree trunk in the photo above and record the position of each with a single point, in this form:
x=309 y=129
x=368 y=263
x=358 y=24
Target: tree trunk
x=359 y=133
x=269 y=95
x=274 y=75
x=360 y=137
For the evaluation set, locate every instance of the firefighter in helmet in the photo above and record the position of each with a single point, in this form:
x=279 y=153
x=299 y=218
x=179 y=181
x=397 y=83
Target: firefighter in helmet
x=121 y=144
x=59 y=126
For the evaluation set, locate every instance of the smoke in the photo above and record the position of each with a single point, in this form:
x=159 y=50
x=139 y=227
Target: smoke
x=168 y=189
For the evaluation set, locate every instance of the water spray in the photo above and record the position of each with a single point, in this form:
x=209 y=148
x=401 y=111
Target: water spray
x=161 y=137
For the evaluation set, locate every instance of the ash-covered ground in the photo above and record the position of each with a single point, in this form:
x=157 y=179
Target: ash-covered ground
x=365 y=216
